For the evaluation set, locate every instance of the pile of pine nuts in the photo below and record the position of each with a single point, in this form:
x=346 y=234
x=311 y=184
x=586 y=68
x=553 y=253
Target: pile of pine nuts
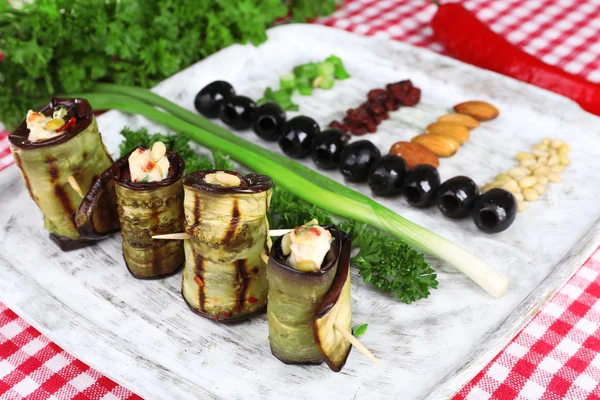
x=543 y=164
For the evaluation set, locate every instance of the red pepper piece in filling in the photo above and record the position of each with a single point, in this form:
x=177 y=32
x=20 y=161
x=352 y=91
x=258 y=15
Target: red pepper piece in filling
x=66 y=126
x=252 y=299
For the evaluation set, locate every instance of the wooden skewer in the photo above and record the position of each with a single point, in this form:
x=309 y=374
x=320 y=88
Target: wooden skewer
x=174 y=236
x=264 y=257
x=185 y=236
x=354 y=341
x=279 y=232
x=74 y=185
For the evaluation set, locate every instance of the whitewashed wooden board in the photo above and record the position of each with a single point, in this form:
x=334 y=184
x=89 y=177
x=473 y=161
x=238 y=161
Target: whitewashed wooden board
x=141 y=334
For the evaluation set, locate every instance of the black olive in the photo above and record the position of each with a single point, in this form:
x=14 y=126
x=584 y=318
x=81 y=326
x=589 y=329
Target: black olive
x=356 y=160
x=327 y=147
x=494 y=211
x=237 y=112
x=209 y=99
x=386 y=176
x=268 y=121
x=456 y=196
x=420 y=185
x=297 y=136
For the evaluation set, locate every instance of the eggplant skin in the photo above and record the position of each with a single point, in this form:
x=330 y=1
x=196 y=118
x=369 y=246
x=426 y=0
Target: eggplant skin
x=294 y=299
x=149 y=209
x=97 y=215
x=224 y=277
x=336 y=307
x=45 y=169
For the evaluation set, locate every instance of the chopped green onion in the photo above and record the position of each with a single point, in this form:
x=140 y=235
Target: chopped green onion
x=287 y=81
x=326 y=69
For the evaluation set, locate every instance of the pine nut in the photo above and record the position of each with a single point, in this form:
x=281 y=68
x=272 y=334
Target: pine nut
x=523 y=155
x=530 y=194
x=564 y=160
x=540 y=153
x=552 y=152
x=528 y=162
x=556 y=143
x=158 y=150
x=543 y=180
x=209 y=178
x=518 y=196
x=543 y=160
x=547 y=141
x=511 y=186
x=520 y=206
x=554 y=177
x=490 y=186
x=541 y=147
x=539 y=188
x=554 y=160
x=502 y=177
x=518 y=171
x=226 y=179
x=545 y=170
x=557 y=168
x=564 y=149
x=528 y=182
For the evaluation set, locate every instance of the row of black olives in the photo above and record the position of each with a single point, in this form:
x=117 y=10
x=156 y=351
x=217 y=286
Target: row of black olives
x=298 y=138
x=359 y=161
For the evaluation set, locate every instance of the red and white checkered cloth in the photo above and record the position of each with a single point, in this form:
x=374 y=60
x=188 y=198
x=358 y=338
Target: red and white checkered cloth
x=32 y=367
x=556 y=356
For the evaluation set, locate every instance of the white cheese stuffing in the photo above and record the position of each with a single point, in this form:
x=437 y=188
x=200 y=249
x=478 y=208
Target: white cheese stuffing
x=151 y=165
x=39 y=127
x=308 y=247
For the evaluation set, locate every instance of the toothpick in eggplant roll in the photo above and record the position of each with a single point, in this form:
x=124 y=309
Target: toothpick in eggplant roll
x=60 y=153
x=225 y=213
x=150 y=202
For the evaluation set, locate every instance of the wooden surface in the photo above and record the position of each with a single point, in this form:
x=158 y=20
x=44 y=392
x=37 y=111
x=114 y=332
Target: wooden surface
x=141 y=334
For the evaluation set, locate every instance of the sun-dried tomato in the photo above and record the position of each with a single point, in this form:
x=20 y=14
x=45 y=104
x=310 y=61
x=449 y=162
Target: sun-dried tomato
x=380 y=102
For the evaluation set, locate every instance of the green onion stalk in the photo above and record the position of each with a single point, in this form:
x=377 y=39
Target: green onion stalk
x=302 y=181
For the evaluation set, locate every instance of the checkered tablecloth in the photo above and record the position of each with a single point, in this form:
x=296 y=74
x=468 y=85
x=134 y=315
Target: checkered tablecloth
x=556 y=356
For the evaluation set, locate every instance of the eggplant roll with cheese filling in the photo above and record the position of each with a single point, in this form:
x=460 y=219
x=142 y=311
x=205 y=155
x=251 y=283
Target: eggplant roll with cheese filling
x=309 y=291
x=60 y=154
x=150 y=202
x=226 y=215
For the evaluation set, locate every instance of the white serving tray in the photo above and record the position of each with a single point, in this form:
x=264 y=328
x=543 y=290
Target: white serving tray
x=141 y=334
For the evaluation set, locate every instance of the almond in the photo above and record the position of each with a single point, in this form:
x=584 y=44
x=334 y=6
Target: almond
x=461 y=119
x=480 y=110
x=415 y=154
x=457 y=132
x=442 y=146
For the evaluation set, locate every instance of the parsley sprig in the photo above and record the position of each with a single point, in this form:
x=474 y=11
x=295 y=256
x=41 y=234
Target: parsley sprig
x=62 y=46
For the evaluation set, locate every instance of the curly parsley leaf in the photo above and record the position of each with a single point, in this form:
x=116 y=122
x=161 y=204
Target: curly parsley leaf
x=390 y=264
x=61 y=46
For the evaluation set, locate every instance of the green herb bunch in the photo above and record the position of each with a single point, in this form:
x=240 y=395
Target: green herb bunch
x=62 y=46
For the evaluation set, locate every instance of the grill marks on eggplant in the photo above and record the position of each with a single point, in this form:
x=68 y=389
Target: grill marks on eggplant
x=241 y=284
x=200 y=275
x=60 y=193
x=233 y=223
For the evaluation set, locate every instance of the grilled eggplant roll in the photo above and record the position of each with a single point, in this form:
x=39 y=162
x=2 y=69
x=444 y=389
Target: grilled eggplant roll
x=307 y=294
x=150 y=207
x=225 y=213
x=60 y=153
